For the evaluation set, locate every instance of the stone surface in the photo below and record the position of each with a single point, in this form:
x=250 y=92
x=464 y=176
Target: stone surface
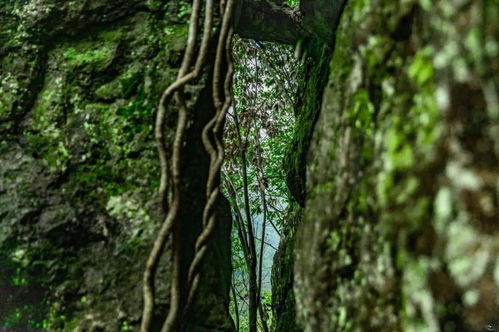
x=401 y=203
x=283 y=299
x=79 y=84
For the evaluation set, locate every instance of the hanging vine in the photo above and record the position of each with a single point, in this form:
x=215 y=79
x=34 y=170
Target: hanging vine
x=212 y=141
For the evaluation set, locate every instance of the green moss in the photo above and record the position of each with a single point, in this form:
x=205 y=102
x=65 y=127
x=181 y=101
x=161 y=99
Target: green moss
x=283 y=299
x=379 y=127
x=109 y=90
x=84 y=100
x=360 y=115
x=423 y=131
x=92 y=59
x=176 y=37
x=421 y=68
x=45 y=135
x=306 y=112
x=130 y=83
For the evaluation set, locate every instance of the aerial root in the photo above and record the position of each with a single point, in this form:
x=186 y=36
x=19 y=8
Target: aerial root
x=213 y=130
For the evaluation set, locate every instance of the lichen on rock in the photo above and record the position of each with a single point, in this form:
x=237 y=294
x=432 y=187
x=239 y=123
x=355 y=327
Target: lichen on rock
x=399 y=207
x=79 y=85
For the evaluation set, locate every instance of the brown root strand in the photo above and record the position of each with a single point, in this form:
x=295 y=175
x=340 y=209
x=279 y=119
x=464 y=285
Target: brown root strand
x=183 y=79
x=166 y=229
x=213 y=130
x=215 y=125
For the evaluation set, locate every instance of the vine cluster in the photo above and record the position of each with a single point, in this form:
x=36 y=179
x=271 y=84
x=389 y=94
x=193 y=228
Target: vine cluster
x=212 y=140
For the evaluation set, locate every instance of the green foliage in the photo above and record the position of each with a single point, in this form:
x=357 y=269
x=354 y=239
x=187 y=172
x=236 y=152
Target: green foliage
x=264 y=88
x=261 y=127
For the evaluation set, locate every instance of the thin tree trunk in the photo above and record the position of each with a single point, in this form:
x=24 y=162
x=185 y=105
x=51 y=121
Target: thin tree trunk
x=236 y=308
x=243 y=237
x=241 y=231
x=261 y=188
x=251 y=262
x=253 y=285
x=260 y=267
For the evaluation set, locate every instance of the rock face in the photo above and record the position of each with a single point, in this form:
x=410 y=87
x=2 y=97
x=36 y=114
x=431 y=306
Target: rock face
x=394 y=167
x=399 y=230
x=316 y=55
x=283 y=299
x=79 y=84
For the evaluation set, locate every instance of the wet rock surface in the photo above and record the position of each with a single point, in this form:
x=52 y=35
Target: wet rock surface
x=79 y=84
